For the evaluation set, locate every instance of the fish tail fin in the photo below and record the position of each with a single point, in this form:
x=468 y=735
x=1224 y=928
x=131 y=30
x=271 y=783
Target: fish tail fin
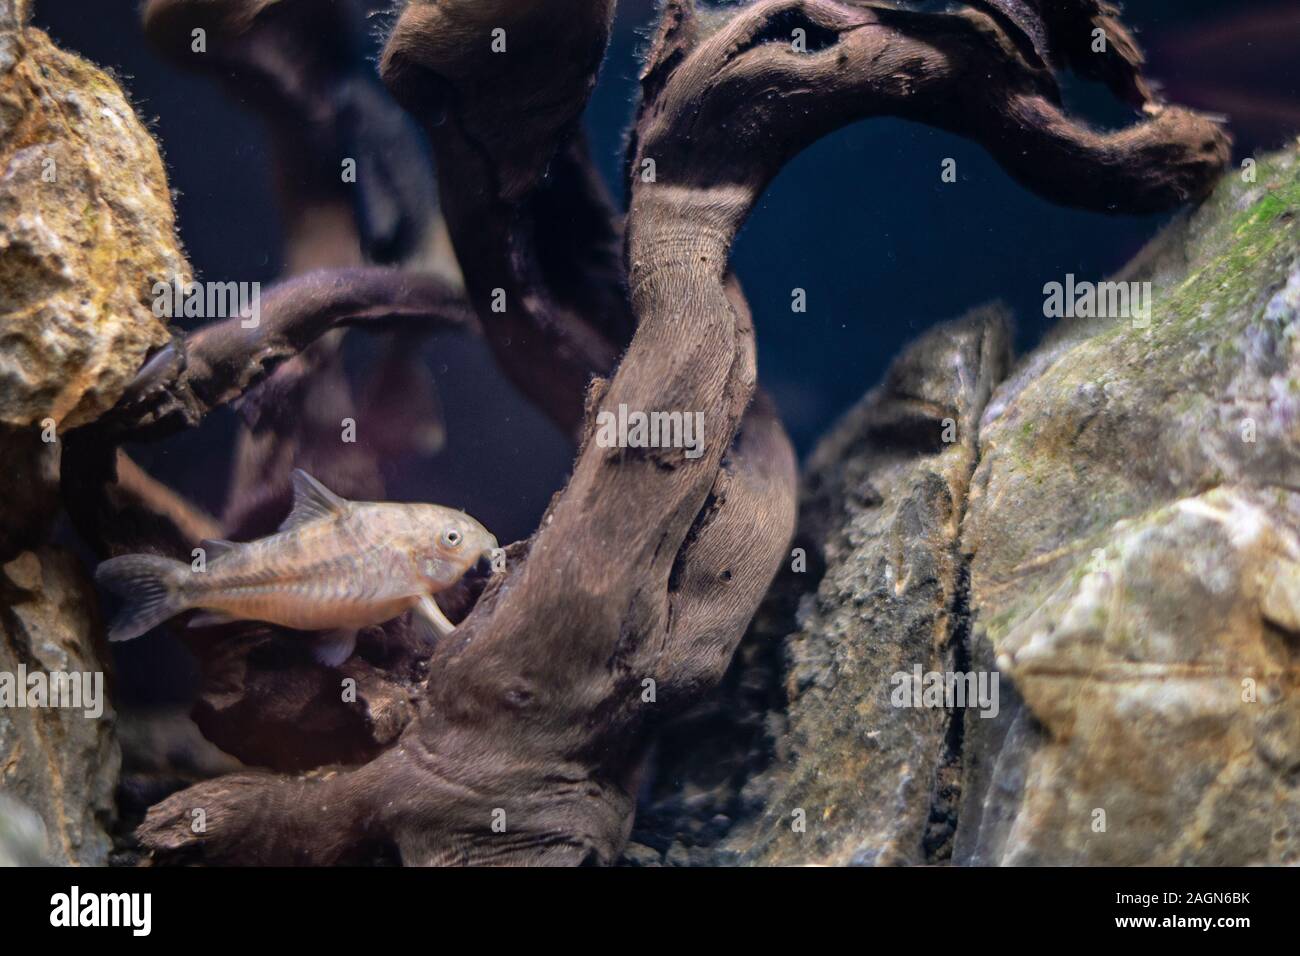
x=153 y=587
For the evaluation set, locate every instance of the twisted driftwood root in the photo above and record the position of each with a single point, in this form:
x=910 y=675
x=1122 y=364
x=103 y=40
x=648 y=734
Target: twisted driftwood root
x=627 y=603
x=529 y=220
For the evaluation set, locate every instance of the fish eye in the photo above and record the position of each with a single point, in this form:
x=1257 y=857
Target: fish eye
x=452 y=538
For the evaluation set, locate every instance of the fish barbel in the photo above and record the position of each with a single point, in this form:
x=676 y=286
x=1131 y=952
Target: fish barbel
x=334 y=565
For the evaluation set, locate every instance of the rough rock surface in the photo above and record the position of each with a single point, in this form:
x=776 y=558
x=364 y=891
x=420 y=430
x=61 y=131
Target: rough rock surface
x=1128 y=565
x=884 y=497
x=22 y=835
x=1134 y=537
x=59 y=762
x=86 y=229
x=29 y=488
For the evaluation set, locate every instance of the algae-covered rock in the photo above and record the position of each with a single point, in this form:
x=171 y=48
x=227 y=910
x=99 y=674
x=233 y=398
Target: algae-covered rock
x=86 y=230
x=1134 y=538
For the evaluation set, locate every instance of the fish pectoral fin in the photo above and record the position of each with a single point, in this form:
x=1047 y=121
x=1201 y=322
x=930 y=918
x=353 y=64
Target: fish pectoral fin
x=211 y=619
x=332 y=648
x=429 y=621
x=312 y=501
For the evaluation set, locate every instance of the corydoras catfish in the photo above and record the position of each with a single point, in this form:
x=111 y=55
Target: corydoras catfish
x=333 y=566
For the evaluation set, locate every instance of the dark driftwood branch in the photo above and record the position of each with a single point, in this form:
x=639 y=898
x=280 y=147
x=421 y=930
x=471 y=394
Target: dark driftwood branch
x=532 y=227
x=1059 y=34
x=298 y=64
x=649 y=565
x=219 y=362
x=954 y=71
x=140 y=492
x=118 y=508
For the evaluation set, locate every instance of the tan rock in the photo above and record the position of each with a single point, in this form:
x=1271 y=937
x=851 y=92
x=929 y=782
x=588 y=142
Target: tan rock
x=86 y=229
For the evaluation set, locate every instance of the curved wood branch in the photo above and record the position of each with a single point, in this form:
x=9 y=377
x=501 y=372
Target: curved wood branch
x=958 y=72
x=533 y=229
x=219 y=362
x=1061 y=34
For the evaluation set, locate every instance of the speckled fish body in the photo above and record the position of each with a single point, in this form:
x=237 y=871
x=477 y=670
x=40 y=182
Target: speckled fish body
x=362 y=567
x=334 y=565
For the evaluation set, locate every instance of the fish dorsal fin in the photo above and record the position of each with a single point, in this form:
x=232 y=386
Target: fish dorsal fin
x=311 y=502
x=216 y=547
